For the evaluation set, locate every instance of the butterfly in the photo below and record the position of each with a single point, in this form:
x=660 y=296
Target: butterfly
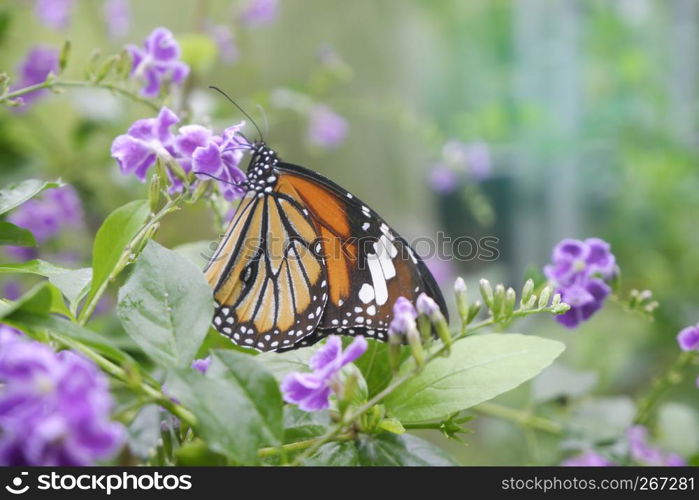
x=303 y=258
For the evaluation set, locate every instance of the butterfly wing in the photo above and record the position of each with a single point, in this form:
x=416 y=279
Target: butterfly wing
x=269 y=280
x=368 y=264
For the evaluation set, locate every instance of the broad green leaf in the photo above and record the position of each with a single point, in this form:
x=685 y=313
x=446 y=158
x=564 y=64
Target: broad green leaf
x=281 y=364
x=479 y=368
x=237 y=404
x=36 y=266
x=143 y=433
x=166 y=306
x=74 y=285
x=561 y=381
x=376 y=366
x=403 y=450
x=38 y=300
x=381 y=450
x=196 y=252
x=30 y=320
x=601 y=419
x=16 y=194
x=15 y=235
x=300 y=425
x=112 y=238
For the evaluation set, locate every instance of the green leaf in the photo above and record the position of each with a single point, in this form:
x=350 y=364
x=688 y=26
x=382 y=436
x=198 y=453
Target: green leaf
x=281 y=364
x=392 y=425
x=74 y=285
x=16 y=194
x=479 y=368
x=166 y=306
x=38 y=300
x=403 y=450
x=560 y=381
x=237 y=404
x=602 y=419
x=375 y=365
x=381 y=450
x=29 y=320
x=112 y=238
x=197 y=453
x=143 y=433
x=15 y=235
x=300 y=425
x=196 y=252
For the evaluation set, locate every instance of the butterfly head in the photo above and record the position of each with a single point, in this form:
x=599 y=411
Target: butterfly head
x=261 y=169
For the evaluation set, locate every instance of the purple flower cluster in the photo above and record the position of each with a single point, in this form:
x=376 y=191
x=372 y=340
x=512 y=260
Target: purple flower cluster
x=326 y=128
x=580 y=272
x=36 y=66
x=228 y=52
x=157 y=62
x=117 y=14
x=195 y=148
x=54 y=13
x=688 y=338
x=257 y=13
x=404 y=316
x=46 y=216
x=54 y=408
x=472 y=158
x=311 y=391
x=642 y=452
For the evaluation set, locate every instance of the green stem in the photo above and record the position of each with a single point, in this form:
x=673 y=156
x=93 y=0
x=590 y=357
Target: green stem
x=661 y=384
x=127 y=257
x=53 y=84
x=297 y=446
x=525 y=419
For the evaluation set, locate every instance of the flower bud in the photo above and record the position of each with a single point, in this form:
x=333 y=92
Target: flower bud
x=461 y=294
x=105 y=69
x=498 y=300
x=544 y=296
x=4 y=82
x=394 y=348
x=527 y=292
x=64 y=57
x=473 y=311
x=510 y=299
x=392 y=425
x=154 y=193
x=415 y=344
x=91 y=66
x=486 y=293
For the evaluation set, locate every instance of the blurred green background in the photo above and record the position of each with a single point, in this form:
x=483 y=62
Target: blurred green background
x=588 y=110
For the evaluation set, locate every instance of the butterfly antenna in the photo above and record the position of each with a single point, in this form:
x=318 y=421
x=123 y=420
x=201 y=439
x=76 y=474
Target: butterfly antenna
x=265 y=122
x=212 y=87
x=237 y=184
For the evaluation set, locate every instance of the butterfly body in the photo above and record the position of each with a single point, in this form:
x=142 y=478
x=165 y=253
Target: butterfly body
x=303 y=258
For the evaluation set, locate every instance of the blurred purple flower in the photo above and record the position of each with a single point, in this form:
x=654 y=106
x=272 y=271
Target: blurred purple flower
x=36 y=66
x=54 y=408
x=257 y=13
x=326 y=129
x=441 y=269
x=646 y=454
x=425 y=305
x=688 y=338
x=443 y=179
x=158 y=61
x=202 y=365
x=137 y=150
x=12 y=290
x=219 y=158
x=7 y=334
x=228 y=51
x=587 y=459
x=472 y=157
x=404 y=315
x=580 y=272
x=45 y=216
x=54 y=13
x=311 y=391
x=117 y=14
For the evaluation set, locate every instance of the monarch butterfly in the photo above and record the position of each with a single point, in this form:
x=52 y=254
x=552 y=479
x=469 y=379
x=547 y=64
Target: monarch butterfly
x=303 y=258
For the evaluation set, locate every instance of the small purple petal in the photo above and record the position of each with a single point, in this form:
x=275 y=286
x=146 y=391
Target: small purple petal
x=259 y=13
x=326 y=128
x=54 y=13
x=354 y=350
x=688 y=338
x=587 y=459
x=207 y=160
x=202 y=365
x=443 y=179
x=117 y=14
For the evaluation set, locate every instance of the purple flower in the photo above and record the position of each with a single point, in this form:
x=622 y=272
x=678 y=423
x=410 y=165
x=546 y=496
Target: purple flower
x=12 y=290
x=326 y=129
x=54 y=13
x=8 y=334
x=137 y=150
x=644 y=453
x=426 y=305
x=202 y=365
x=587 y=459
x=441 y=269
x=258 y=13
x=36 y=66
x=311 y=391
x=473 y=157
x=54 y=408
x=158 y=61
x=404 y=315
x=45 y=216
x=688 y=338
x=117 y=14
x=580 y=272
x=219 y=158
x=228 y=51
x=443 y=179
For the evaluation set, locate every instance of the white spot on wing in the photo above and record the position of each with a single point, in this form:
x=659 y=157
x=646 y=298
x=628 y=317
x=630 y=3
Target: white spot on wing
x=377 y=278
x=366 y=293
